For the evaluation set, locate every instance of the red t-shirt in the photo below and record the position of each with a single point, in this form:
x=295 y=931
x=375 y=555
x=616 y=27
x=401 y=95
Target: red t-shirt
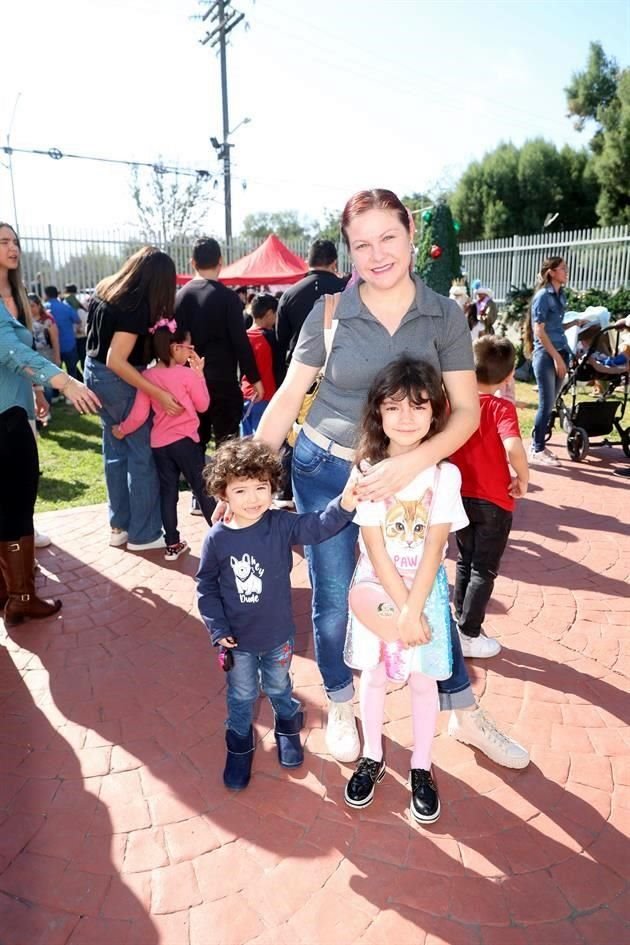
x=482 y=460
x=264 y=363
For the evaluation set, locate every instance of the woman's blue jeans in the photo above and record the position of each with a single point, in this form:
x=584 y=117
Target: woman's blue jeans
x=252 y=672
x=548 y=389
x=318 y=477
x=133 y=488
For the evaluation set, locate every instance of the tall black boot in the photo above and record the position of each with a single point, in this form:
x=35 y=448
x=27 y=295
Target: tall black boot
x=287 y=732
x=18 y=559
x=240 y=755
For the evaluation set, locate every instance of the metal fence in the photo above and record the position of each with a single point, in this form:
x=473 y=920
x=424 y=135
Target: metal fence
x=54 y=255
x=597 y=259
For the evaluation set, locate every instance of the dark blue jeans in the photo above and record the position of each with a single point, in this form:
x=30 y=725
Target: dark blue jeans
x=318 y=477
x=183 y=457
x=481 y=545
x=250 y=673
x=548 y=388
x=133 y=488
x=71 y=359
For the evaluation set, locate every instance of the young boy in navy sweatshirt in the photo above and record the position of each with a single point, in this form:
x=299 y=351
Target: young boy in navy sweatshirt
x=244 y=594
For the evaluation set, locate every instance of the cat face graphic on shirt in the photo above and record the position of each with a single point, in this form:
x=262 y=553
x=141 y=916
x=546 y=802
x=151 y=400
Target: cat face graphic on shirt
x=405 y=528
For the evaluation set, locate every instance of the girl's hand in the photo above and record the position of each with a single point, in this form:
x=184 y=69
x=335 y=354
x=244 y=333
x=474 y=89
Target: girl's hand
x=170 y=403
x=222 y=512
x=389 y=476
x=80 y=396
x=413 y=627
x=196 y=363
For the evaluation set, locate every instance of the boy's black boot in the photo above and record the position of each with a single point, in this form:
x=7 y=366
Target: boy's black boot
x=240 y=755
x=287 y=732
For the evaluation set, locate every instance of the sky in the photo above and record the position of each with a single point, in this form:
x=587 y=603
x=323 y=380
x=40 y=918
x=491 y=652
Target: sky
x=342 y=95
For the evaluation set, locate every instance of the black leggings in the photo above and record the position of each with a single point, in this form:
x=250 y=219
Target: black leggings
x=19 y=475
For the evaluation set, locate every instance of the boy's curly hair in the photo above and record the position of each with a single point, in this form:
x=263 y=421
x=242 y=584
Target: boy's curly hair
x=242 y=459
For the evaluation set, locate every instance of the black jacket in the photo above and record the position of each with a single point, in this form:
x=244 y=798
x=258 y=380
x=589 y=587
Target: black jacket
x=297 y=302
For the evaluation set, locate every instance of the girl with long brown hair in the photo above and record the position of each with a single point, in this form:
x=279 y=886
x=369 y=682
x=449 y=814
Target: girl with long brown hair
x=118 y=350
x=545 y=339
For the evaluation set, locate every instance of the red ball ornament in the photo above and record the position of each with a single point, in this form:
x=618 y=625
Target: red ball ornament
x=435 y=251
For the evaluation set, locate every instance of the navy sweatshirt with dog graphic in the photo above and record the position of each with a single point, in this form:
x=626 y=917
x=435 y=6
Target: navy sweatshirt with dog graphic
x=244 y=578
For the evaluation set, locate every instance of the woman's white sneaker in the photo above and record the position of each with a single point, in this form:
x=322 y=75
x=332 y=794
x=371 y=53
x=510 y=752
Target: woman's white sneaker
x=543 y=457
x=118 y=538
x=342 y=738
x=477 y=729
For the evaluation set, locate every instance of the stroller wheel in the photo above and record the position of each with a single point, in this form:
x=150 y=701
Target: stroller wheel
x=577 y=444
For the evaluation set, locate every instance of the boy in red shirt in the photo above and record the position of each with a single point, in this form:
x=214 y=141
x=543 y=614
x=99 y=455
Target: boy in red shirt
x=262 y=338
x=488 y=491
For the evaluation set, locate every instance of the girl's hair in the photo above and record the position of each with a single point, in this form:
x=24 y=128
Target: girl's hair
x=34 y=298
x=163 y=339
x=243 y=459
x=405 y=377
x=543 y=279
x=147 y=277
x=377 y=199
x=16 y=284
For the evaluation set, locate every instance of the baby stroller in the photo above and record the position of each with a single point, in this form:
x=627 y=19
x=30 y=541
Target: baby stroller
x=593 y=359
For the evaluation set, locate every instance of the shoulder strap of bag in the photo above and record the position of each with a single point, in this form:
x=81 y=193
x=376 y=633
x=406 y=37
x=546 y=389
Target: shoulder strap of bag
x=330 y=322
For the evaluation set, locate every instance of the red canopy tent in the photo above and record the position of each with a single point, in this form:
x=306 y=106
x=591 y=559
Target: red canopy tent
x=272 y=263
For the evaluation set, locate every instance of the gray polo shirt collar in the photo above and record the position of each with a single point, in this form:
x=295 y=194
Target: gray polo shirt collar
x=351 y=304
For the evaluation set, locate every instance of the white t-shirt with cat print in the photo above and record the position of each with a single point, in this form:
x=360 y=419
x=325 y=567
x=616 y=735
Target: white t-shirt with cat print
x=404 y=516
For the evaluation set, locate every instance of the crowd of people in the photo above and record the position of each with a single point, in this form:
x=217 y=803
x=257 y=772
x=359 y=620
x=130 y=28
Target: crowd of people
x=404 y=442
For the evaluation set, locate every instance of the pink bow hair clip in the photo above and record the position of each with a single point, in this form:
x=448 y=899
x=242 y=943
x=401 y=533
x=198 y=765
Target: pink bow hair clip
x=169 y=323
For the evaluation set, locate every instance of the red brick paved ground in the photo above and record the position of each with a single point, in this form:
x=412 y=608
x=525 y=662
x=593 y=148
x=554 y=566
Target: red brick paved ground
x=116 y=829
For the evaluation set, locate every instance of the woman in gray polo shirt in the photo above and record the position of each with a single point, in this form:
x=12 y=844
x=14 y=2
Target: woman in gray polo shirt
x=387 y=312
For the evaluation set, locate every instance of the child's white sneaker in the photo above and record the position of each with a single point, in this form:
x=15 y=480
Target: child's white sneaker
x=477 y=729
x=479 y=648
x=342 y=738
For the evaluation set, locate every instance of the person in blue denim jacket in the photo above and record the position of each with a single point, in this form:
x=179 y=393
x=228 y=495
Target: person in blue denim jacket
x=545 y=335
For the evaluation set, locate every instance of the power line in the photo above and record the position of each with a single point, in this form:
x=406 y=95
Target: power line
x=158 y=167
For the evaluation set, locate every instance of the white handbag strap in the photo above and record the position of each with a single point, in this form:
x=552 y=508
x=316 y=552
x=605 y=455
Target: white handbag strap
x=330 y=323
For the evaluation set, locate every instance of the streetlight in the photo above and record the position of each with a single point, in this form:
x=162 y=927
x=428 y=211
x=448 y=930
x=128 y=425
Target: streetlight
x=223 y=154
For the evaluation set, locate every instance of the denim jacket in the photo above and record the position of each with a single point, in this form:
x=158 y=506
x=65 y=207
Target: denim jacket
x=548 y=308
x=20 y=366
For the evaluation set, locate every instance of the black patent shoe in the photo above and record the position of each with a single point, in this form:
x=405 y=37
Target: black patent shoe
x=360 y=788
x=425 y=803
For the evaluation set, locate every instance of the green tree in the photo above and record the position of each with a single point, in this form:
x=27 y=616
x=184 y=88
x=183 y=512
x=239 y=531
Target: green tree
x=439 y=231
x=601 y=94
x=168 y=206
x=286 y=224
x=329 y=227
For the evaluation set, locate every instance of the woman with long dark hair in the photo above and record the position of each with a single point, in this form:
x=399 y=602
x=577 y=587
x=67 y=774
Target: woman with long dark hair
x=118 y=350
x=386 y=312
x=23 y=374
x=545 y=340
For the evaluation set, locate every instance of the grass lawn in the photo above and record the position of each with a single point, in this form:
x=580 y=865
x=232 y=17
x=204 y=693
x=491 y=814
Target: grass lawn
x=72 y=465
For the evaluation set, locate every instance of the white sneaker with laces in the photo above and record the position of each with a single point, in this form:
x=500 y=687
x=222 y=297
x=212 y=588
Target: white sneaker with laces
x=480 y=648
x=118 y=538
x=342 y=738
x=41 y=541
x=543 y=457
x=477 y=729
x=147 y=545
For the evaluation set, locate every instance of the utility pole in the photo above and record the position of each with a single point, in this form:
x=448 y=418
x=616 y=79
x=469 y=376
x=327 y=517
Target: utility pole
x=226 y=18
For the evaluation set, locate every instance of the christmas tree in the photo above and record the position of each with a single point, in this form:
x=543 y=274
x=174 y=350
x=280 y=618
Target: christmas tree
x=439 y=261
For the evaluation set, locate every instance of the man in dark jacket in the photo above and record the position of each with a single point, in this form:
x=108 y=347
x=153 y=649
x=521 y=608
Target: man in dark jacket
x=212 y=313
x=299 y=299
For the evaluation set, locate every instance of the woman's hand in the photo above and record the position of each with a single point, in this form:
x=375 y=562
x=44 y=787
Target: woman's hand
x=388 y=476
x=170 y=403
x=80 y=396
x=222 y=512
x=560 y=366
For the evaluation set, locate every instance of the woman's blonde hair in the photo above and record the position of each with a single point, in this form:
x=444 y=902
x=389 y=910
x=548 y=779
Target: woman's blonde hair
x=146 y=277
x=543 y=279
x=16 y=284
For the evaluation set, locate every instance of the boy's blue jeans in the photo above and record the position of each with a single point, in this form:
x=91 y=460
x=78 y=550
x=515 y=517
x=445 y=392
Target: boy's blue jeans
x=318 y=477
x=133 y=488
x=250 y=673
x=548 y=388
